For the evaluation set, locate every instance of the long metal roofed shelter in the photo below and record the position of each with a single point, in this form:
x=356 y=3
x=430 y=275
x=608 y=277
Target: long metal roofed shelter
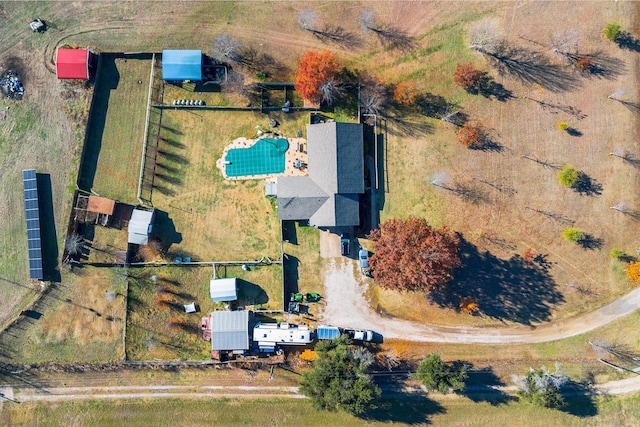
x=32 y=212
x=223 y=289
x=230 y=330
x=73 y=63
x=140 y=226
x=329 y=195
x=181 y=65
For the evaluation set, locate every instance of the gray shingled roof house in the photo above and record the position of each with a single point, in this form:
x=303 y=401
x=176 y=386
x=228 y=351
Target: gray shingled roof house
x=328 y=196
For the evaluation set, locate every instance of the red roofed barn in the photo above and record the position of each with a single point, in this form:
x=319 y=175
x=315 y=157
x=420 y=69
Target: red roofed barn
x=73 y=63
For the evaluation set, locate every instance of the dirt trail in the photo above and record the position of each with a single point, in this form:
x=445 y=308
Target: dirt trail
x=346 y=306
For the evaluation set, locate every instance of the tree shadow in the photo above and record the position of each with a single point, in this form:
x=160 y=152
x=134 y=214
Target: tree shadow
x=634 y=107
x=587 y=186
x=164 y=230
x=508 y=289
x=531 y=67
x=573 y=132
x=598 y=64
x=489 y=88
x=580 y=398
x=487 y=144
x=627 y=41
x=393 y=37
x=108 y=82
x=404 y=408
x=338 y=35
x=167 y=168
x=262 y=62
x=590 y=242
x=250 y=293
x=169 y=179
x=289 y=233
x=290 y=266
x=403 y=127
x=482 y=386
x=559 y=108
x=173 y=157
x=471 y=193
x=173 y=142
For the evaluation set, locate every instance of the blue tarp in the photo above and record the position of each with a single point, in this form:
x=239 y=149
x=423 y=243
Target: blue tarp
x=182 y=65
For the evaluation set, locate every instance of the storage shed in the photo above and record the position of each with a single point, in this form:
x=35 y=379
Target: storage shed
x=223 y=289
x=140 y=226
x=73 y=63
x=181 y=65
x=230 y=330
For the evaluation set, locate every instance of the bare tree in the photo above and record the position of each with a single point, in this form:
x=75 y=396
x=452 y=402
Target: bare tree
x=225 y=47
x=234 y=82
x=373 y=97
x=367 y=20
x=621 y=207
x=331 y=90
x=486 y=37
x=566 y=42
x=73 y=244
x=307 y=19
x=618 y=93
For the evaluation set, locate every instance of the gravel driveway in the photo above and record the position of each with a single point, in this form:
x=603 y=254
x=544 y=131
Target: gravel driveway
x=346 y=307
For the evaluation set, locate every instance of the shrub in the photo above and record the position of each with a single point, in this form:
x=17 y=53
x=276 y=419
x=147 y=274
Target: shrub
x=573 y=234
x=468 y=135
x=437 y=375
x=563 y=125
x=612 y=31
x=406 y=93
x=616 y=253
x=633 y=272
x=467 y=77
x=529 y=255
x=568 y=176
x=468 y=305
x=585 y=63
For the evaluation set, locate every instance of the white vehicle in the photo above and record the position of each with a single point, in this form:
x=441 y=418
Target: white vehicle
x=360 y=335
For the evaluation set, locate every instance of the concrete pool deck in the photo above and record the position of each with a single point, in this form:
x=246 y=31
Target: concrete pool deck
x=297 y=150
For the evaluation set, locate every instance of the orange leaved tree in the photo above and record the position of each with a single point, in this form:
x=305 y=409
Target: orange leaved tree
x=410 y=255
x=406 y=93
x=633 y=272
x=315 y=69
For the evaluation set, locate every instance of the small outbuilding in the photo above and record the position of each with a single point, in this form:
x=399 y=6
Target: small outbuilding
x=223 y=290
x=181 y=65
x=140 y=226
x=73 y=63
x=230 y=331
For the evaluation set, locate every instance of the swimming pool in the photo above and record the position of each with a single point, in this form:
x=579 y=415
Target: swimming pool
x=265 y=157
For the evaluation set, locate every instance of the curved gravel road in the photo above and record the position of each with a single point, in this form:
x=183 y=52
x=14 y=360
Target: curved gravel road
x=346 y=306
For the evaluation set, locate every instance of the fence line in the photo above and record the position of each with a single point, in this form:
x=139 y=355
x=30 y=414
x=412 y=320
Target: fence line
x=146 y=130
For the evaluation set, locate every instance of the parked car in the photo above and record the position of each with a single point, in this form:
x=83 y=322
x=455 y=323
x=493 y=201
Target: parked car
x=345 y=243
x=360 y=334
x=363 y=257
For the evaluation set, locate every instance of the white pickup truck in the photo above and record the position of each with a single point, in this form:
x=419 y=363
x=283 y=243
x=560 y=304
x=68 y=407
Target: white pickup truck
x=360 y=334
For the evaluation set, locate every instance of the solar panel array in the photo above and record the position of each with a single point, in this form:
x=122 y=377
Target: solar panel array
x=33 y=223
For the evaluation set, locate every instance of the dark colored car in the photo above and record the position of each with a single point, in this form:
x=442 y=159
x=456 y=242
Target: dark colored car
x=345 y=243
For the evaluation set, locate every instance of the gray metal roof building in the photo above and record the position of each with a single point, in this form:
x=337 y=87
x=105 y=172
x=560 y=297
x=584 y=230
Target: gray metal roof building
x=230 y=330
x=328 y=196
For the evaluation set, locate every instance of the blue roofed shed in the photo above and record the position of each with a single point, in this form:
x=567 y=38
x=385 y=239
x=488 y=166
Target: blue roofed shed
x=180 y=65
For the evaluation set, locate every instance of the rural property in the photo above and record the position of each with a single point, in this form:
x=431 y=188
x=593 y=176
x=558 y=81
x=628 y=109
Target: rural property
x=343 y=210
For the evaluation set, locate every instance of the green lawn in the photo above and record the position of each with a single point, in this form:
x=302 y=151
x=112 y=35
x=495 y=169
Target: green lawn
x=111 y=161
x=417 y=410
x=158 y=327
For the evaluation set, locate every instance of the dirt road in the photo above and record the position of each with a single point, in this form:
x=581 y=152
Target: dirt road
x=346 y=306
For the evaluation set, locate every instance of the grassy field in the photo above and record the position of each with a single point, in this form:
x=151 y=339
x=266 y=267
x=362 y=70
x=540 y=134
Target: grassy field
x=158 y=327
x=111 y=161
x=417 y=410
x=75 y=321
